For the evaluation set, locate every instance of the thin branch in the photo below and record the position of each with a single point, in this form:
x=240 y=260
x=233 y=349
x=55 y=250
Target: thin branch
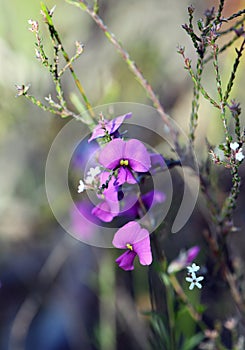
x=235 y=15
x=54 y=34
x=233 y=73
x=222 y=49
x=196 y=80
x=195 y=101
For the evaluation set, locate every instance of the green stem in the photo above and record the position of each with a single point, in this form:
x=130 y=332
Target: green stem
x=198 y=84
x=233 y=73
x=230 y=202
x=62 y=112
x=235 y=15
x=171 y=318
x=232 y=28
x=222 y=49
x=56 y=77
x=217 y=73
x=62 y=71
x=220 y=10
x=54 y=34
x=181 y=294
x=195 y=101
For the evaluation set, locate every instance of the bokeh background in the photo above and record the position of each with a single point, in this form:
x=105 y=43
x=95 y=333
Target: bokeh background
x=58 y=293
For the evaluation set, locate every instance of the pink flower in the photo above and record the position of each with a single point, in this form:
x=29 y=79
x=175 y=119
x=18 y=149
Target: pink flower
x=137 y=242
x=108 y=126
x=126 y=156
x=109 y=208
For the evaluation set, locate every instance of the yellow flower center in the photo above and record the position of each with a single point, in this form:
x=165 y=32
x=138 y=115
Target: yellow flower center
x=124 y=162
x=129 y=246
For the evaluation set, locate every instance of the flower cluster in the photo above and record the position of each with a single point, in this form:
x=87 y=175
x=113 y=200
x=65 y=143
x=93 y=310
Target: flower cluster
x=237 y=151
x=121 y=165
x=225 y=154
x=192 y=278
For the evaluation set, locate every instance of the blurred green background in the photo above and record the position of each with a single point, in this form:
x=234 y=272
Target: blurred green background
x=29 y=234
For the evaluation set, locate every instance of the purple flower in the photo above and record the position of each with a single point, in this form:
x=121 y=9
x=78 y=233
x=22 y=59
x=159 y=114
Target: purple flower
x=108 y=126
x=191 y=254
x=109 y=208
x=125 y=156
x=183 y=260
x=137 y=242
x=133 y=207
x=82 y=221
x=83 y=154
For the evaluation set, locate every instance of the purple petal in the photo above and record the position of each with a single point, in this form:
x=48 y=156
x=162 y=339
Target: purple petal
x=97 y=132
x=109 y=208
x=152 y=198
x=130 y=205
x=138 y=156
x=125 y=175
x=157 y=160
x=143 y=249
x=130 y=179
x=192 y=253
x=103 y=212
x=112 y=153
x=111 y=190
x=126 y=260
x=130 y=233
x=121 y=177
x=115 y=124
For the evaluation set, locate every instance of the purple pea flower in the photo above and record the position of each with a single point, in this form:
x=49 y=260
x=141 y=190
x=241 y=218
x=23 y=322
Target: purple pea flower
x=108 y=126
x=109 y=208
x=126 y=156
x=133 y=208
x=137 y=242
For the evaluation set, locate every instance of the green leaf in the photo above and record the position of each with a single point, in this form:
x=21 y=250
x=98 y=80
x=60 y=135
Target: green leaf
x=85 y=117
x=191 y=343
x=160 y=336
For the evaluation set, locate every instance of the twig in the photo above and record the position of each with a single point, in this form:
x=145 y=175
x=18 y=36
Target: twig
x=195 y=101
x=222 y=49
x=54 y=34
x=235 y=15
x=63 y=112
x=232 y=28
x=220 y=10
x=196 y=80
x=233 y=73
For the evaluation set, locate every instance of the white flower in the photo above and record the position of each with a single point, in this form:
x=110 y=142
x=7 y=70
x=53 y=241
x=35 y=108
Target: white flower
x=89 y=180
x=94 y=171
x=239 y=156
x=194 y=281
x=34 y=25
x=81 y=186
x=234 y=146
x=91 y=175
x=193 y=268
